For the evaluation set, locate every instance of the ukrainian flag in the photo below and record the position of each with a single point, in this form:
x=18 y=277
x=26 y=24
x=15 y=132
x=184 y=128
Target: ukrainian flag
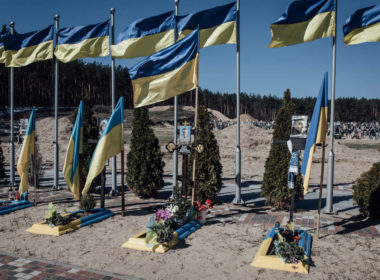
x=26 y=151
x=24 y=49
x=110 y=144
x=304 y=21
x=317 y=132
x=363 y=26
x=216 y=26
x=145 y=36
x=71 y=165
x=83 y=41
x=167 y=73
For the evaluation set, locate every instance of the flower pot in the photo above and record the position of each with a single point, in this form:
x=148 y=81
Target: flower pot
x=202 y=217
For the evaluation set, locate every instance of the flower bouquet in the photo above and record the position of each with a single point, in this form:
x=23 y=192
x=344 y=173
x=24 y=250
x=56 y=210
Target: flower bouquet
x=160 y=228
x=285 y=249
x=286 y=246
x=203 y=210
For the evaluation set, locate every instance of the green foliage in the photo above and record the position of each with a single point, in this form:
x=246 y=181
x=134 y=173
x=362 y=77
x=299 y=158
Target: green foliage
x=144 y=161
x=163 y=231
x=87 y=203
x=208 y=166
x=53 y=218
x=290 y=252
x=2 y=169
x=367 y=192
x=275 y=182
x=180 y=203
x=90 y=131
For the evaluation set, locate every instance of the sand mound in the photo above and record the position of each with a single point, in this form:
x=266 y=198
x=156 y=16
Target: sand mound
x=160 y=108
x=247 y=118
x=215 y=114
x=45 y=138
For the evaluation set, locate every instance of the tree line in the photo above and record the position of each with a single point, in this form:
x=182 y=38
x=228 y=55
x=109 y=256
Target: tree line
x=34 y=86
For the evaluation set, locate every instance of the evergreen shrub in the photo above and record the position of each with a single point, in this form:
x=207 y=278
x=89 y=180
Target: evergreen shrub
x=208 y=166
x=87 y=203
x=275 y=182
x=144 y=161
x=367 y=192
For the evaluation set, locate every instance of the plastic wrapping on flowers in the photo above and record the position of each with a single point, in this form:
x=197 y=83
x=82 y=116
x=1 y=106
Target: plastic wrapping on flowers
x=286 y=245
x=159 y=228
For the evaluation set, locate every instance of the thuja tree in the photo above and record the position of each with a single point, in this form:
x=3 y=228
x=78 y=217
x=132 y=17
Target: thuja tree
x=144 y=161
x=275 y=182
x=367 y=191
x=208 y=166
x=90 y=131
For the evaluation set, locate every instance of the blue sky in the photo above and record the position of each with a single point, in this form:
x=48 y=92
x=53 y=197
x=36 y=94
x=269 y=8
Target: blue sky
x=263 y=70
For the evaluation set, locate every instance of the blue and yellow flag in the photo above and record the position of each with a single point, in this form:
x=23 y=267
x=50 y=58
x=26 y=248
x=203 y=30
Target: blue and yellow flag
x=71 y=165
x=83 y=41
x=363 y=26
x=26 y=150
x=24 y=49
x=167 y=73
x=216 y=26
x=145 y=36
x=304 y=21
x=317 y=132
x=111 y=143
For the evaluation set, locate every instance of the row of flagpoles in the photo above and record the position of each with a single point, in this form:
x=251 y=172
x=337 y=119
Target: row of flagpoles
x=142 y=37
x=303 y=21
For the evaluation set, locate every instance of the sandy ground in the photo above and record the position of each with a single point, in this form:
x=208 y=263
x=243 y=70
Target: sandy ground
x=216 y=251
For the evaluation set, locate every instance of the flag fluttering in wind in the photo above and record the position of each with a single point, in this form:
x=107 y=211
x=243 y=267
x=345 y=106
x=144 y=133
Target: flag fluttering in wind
x=317 y=131
x=26 y=150
x=216 y=25
x=363 y=26
x=71 y=165
x=111 y=143
x=303 y=21
x=24 y=49
x=167 y=73
x=83 y=41
x=145 y=36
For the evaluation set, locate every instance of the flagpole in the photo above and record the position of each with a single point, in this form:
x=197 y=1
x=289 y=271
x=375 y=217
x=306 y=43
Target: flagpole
x=175 y=153
x=113 y=93
x=238 y=199
x=35 y=173
x=56 y=88
x=80 y=166
x=122 y=184
x=195 y=143
x=330 y=175
x=320 y=190
x=12 y=93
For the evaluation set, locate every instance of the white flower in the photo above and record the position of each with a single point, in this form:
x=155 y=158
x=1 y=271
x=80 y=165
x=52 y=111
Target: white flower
x=172 y=208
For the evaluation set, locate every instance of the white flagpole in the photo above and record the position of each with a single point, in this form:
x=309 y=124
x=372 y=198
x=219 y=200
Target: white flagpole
x=56 y=89
x=238 y=199
x=113 y=94
x=175 y=153
x=330 y=175
x=12 y=97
